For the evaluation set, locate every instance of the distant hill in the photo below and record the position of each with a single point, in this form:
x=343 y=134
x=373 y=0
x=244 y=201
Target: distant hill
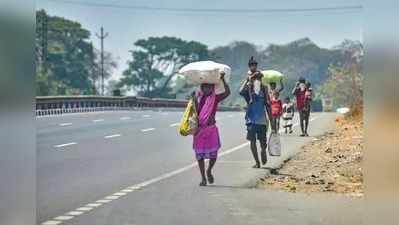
x=300 y=58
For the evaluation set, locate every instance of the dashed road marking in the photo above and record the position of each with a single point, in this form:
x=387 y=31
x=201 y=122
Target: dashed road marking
x=146 y=116
x=98 y=120
x=74 y=213
x=85 y=209
x=52 y=222
x=230 y=116
x=63 y=218
x=65 y=124
x=94 y=205
x=125 y=118
x=112 y=136
x=111 y=197
x=119 y=194
x=64 y=145
x=174 y=124
x=147 y=129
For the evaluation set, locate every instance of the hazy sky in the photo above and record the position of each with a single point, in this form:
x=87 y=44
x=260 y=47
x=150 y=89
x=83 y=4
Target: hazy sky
x=125 y=25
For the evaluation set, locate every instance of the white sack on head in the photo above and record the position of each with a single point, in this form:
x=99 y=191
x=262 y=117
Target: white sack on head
x=205 y=72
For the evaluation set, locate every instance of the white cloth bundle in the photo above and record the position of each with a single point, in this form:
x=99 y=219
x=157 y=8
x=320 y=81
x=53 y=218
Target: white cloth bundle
x=206 y=72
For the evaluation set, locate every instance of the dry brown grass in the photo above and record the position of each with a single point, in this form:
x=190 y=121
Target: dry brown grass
x=330 y=163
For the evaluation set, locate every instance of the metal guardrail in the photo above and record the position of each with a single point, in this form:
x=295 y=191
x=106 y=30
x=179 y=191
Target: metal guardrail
x=57 y=105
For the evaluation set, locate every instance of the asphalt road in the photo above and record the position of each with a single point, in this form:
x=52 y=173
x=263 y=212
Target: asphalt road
x=134 y=168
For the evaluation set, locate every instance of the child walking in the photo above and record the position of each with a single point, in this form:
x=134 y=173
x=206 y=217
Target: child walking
x=277 y=108
x=206 y=142
x=288 y=114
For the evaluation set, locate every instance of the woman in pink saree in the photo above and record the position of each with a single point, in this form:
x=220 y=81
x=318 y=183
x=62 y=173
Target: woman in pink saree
x=206 y=142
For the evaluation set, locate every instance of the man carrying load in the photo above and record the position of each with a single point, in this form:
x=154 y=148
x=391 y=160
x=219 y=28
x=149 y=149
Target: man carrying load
x=258 y=105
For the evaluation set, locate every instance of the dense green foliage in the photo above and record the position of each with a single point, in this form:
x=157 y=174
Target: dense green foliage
x=145 y=77
x=66 y=61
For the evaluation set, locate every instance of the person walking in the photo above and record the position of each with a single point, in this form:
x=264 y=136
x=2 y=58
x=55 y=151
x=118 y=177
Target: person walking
x=288 y=114
x=276 y=108
x=206 y=141
x=256 y=96
x=302 y=92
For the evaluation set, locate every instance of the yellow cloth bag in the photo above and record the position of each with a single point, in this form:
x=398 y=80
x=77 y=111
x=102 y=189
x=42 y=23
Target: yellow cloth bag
x=189 y=122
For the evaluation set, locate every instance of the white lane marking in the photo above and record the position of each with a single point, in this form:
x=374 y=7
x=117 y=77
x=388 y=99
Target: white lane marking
x=173 y=173
x=112 y=197
x=146 y=116
x=94 y=205
x=65 y=124
x=148 y=129
x=74 y=213
x=125 y=118
x=51 y=222
x=85 y=209
x=119 y=194
x=98 y=120
x=230 y=116
x=174 y=124
x=63 y=218
x=64 y=145
x=113 y=136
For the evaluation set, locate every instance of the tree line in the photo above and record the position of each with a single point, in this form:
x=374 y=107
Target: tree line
x=68 y=63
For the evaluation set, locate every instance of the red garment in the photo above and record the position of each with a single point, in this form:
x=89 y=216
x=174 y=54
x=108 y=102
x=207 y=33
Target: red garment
x=277 y=108
x=300 y=99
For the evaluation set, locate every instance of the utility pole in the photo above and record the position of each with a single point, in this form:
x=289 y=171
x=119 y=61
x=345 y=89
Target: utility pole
x=102 y=36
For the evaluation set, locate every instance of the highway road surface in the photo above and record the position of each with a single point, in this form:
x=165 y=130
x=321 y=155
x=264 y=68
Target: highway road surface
x=133 y=168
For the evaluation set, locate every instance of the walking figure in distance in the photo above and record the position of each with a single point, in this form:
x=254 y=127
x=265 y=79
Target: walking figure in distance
x=303 y=99
x=277 y=109
x=288 y=114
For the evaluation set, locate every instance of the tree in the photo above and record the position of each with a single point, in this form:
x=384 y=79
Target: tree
x=65 y=57
x=140 y=73
x=146 y=72
x=345 y=83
